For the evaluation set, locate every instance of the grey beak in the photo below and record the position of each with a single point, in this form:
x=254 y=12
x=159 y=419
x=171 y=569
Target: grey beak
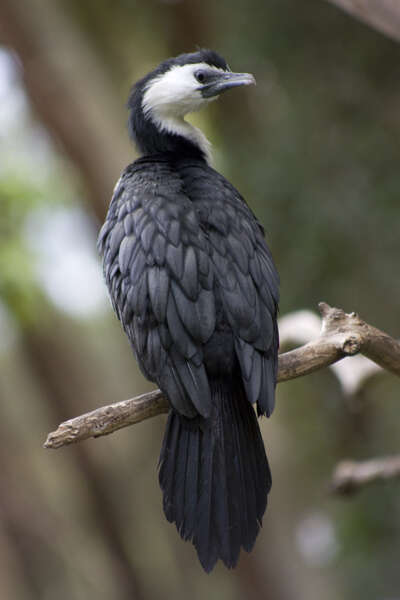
x=225 y=81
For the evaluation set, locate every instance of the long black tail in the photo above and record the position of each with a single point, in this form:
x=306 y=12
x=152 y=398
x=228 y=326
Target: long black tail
x=215 y=476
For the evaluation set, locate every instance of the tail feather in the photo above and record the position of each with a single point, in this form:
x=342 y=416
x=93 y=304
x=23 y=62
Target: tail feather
x=250 y=524
x=191 y=486
x=230 y=545
x=180 y=478
x=215 y=476
x=205 y=534
x=169 y=451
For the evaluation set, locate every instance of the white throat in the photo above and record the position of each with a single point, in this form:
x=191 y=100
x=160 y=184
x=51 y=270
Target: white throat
x=178 y=126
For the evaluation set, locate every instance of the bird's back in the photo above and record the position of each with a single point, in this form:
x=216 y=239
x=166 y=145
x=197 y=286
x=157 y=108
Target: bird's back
x=192 y=281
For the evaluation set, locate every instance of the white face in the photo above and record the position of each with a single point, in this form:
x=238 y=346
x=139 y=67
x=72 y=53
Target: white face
x=176 y=92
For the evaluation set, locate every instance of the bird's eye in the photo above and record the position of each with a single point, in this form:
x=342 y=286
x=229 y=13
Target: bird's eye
x=200 y=76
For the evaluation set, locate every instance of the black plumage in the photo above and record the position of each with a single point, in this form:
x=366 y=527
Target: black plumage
x=195 y=287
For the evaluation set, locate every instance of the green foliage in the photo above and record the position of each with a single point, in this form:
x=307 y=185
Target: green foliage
x=18 y=287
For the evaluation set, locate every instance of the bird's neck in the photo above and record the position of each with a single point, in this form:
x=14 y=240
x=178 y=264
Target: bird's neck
x=159 y=134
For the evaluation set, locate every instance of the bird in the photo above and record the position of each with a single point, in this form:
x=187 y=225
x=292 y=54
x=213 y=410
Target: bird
x=194 y=284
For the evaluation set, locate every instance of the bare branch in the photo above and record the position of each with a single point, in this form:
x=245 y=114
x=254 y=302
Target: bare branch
x=341 y=335
x=106 y=419
x=350 y=476
x=383 y=15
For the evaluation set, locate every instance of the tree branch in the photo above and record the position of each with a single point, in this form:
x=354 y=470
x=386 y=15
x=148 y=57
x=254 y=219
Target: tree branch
x=350 y=476
x=382 y=15
x=341 y=335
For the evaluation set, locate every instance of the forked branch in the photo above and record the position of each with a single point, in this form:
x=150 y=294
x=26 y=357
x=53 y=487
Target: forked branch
x=341 y=335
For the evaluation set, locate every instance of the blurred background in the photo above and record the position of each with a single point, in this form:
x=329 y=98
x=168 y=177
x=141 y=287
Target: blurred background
x=314 y=149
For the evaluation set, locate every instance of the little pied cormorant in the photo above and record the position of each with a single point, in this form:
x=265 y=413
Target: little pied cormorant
x=194 y=285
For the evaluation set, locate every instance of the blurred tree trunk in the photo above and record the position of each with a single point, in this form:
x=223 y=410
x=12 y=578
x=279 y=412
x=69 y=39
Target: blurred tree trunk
x=382 y=15
x=65 y=379
x=28 y=528
x=191 y=27
x=265 y=581
x=69 y=92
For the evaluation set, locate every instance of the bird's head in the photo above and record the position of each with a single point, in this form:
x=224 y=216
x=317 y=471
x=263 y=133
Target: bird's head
x=178 y=86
